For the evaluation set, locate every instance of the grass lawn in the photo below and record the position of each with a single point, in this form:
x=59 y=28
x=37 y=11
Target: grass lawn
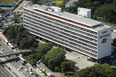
x=7 y=1
x=58 y=2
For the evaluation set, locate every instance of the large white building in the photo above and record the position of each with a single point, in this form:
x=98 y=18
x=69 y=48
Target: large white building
x=82 y=35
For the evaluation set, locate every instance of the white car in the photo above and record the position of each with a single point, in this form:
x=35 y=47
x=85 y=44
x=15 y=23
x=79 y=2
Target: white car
x=26 y=69
x=31 y=73
x=19 y=69
x=2 y=49
x=30 y=69
x=14 y=50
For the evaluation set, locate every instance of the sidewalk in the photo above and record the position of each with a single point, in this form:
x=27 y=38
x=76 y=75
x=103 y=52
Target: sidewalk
x=49 y=71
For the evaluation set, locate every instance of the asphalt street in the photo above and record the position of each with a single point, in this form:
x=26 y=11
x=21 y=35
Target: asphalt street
x=4 y=72
x=18 y=63
x=9 y=67
x=6 y=48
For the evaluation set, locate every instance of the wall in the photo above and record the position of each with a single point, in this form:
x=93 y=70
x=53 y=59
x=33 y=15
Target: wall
x=104 y=43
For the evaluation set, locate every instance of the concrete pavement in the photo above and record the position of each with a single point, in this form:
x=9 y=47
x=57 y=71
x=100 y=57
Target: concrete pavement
x=79 y=59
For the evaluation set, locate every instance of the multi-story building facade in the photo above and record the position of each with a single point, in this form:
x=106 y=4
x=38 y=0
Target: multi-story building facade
x=82 y=35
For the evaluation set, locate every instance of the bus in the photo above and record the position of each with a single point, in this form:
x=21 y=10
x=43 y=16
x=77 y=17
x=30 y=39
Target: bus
x=23 y=61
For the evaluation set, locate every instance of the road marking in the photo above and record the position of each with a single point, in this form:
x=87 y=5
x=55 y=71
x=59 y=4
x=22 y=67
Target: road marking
x=1 y=51
x=1 y=75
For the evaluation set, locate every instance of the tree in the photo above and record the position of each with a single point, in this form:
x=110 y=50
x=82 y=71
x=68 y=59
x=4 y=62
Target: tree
x=114 y=63
x=22 y=44
x=112 y=73
x=11 y=34
x=6 y=29
x=29 y=57
x=44 y=47
x=32 y=61
x=16 y=20
x=57 y=69
x=114 y=2
x=98 y=70
x=67 y=65
x=58 y=56
x=52 y=76
x=106 y=14
x=20 y=36
x=34 y=1
x=96 y=3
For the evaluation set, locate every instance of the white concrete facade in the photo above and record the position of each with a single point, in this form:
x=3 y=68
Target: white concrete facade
x=79 y=34
x=104 y=43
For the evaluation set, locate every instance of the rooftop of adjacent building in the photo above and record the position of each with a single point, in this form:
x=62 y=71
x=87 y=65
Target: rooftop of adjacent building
x=90 y=23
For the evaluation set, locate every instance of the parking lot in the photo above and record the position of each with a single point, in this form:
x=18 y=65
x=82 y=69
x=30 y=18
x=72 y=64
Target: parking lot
x=79 y=59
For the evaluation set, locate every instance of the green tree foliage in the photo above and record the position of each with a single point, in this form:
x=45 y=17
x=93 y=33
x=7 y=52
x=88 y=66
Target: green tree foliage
x=32 y=59
x=34 y=1
x=97 y=70
x=44 y=47
x=114 y=63
x=37 y=54
x=54 y=58
x=67 y=66
x=114 y=2
x=96 y=3
x=106 y=14
x=16 y=20
x=112 y=73
x=20 y=36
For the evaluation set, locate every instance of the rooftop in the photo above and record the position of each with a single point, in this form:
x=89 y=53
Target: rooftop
x=73 y=17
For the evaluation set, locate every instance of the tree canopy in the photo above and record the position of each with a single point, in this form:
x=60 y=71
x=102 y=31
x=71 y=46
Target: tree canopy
x=106 y=14
x=67 y=65
x=54 y=58
x=104 y=10
x=44 y=47
x=98 y=70
x=20 y=36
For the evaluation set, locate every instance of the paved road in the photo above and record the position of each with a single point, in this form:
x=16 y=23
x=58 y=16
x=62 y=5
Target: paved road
x=22 y=4
x=13 y=65
x=4 y=72
x=18 y=63
x=6 y=48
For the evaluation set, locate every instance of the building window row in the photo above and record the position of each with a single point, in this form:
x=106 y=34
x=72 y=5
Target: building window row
x=67 y=32
x=86 y=38
x=92 y=32
x=63 y=38
x=63 y=42
x=66 y=26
